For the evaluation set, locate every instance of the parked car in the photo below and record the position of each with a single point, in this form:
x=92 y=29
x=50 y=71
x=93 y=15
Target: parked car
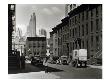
x=26 y=57
x=37 y=60
x=64 y=60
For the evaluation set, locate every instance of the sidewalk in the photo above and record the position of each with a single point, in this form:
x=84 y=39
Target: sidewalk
x=94 y=66
x=33 y=75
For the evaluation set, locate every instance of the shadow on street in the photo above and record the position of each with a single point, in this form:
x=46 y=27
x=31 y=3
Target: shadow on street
x=33 y=68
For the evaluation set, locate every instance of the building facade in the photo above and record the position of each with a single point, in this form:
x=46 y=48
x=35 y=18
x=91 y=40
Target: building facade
x=36 y=46
x=55 y=44
x=51 y=44
x=11 y=26
x=81 y=29
x=31 y=28
x=85 y=23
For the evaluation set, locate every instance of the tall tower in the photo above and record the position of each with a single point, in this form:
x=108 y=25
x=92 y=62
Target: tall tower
x=31 y=28
x=33 y=25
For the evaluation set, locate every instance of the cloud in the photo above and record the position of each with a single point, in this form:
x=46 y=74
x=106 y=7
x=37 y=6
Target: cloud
x=47 y=11
x=56 y=10
x=34 y=8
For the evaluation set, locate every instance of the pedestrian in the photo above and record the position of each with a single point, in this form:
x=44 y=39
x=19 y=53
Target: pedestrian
x=22 y=58
x=45 y=64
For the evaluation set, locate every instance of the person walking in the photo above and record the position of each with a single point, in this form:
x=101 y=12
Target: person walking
x=22 y=61
x=45 y=64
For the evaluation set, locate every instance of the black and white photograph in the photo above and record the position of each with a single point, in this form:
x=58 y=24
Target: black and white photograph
x=55 y=41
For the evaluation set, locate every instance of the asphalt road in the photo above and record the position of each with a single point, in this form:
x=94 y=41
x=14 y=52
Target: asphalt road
x=69 y=72
x=56 y=72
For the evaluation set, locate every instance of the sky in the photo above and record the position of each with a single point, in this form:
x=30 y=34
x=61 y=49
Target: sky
x=47 y=16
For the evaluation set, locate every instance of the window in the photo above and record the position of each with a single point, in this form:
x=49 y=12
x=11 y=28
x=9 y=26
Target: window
x=70 y=32
x=70 y=46
x=92 y=13
x=38 y=44
x=37 y=53
x=58 y=41
x=73 y=45
x=82 y=16
x=75 y=53
x=79 y=18
x=82 y=44
x=29 y=45
x=79 y=30
x=63 y=38
x=97 y=24
x=34 y=45
x=87 y=15
x=91 y=26
x=73 y=32
x=43 y=44
x=91 y=41
x=61 y=41
x=97 y=11
x=34 y=53
x=97 y=42
x=69 y=24
x=75 y=20
x=82 y=30
x=68 y=36
x=87 y=28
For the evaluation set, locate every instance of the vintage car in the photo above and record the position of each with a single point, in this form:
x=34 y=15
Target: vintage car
x=37 y=60
x=63 y=60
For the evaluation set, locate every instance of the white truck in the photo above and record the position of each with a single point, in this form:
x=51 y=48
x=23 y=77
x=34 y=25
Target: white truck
x=79 y=57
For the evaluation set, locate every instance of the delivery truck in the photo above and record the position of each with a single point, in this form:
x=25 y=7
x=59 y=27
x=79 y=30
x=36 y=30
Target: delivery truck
x=79 y=57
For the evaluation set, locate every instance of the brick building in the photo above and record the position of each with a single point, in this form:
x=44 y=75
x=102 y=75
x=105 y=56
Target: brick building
x=83 y=24
x=86 y=23
x=36 y=46
x=53 y=43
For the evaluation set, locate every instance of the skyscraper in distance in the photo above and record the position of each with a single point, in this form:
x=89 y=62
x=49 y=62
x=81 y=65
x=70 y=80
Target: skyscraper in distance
x=42 y=32
x=31 y=28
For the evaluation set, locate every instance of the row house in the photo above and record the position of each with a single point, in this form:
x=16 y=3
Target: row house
x=81 y=29
x=86 y=24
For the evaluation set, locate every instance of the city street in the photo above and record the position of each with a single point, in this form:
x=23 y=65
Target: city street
x=61 y=33
x=56 y=72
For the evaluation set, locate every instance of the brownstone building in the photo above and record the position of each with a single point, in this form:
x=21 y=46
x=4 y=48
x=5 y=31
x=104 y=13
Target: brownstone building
x=86 y=23
x=82 y=28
